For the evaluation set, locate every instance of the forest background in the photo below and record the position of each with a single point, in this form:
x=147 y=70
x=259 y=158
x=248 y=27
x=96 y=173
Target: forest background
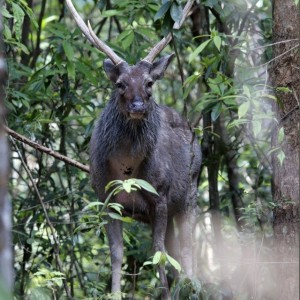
x=235 y=78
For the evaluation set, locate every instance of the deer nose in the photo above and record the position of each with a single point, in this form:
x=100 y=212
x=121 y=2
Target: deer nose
x=137 y=106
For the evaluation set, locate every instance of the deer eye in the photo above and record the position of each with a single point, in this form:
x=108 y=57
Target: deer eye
x=149 y=84
x=121 y=86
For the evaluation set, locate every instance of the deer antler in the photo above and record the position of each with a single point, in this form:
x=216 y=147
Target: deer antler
x=166 y=40
x=91 y=36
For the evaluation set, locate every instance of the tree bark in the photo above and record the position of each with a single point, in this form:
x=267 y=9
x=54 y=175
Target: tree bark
x=6 y=271
x=285 y=182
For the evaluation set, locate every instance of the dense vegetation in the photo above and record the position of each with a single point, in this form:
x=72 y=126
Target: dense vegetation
x=57 y=89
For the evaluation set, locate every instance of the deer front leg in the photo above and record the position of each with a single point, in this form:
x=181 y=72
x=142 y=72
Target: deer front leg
x=115 y=238
x=159 y=234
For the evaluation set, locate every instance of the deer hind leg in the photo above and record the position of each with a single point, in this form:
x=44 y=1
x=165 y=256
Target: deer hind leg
x=115 y=238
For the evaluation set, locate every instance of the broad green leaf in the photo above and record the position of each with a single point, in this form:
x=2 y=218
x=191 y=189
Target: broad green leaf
x=281 y=157
x=246 y=91
x=68 y=50
x=243 y=108
x=71 y=69
x=113 y=183
x=127 y=185
x=92 y=204
x=198 y=50
x=156 y=257
x=280 y=135
x=283 y=89
x=164 y=8
x=216 y=111
x=176 y=12
x=127 y=41
x=191 y=78
x=217 y=41
x=147 y=32
x=18 y=17
x=7 y=32
x=111 y=13
x=124 y=34
x=174 y=262
x=146 y=186
x=5 y=13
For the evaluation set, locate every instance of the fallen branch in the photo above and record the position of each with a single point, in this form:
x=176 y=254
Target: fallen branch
x=46 y=150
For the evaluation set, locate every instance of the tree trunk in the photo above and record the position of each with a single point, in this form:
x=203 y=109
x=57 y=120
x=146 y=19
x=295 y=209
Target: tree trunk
x=285 y=185
x=6 y=273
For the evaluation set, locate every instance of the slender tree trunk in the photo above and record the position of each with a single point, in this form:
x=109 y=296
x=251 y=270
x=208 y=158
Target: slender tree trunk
x=6 y=273
x=285 y=73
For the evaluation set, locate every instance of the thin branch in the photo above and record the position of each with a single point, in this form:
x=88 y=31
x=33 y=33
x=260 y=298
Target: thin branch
x=46 y=150
x=37 y=49
x=55 y=239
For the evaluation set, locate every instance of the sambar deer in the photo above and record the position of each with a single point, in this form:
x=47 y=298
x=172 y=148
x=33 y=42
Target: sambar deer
x=137 y=138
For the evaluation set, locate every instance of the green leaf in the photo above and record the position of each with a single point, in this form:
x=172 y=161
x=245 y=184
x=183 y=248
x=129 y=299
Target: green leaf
x=162 y=11
x=146 y=186
x=68 y=50
x=281 y=157
x=198 y=50
x=71 y=69
x=280 y=135
x=92 y=204
x=174 y=263
x=5 y=13
x=216 y=111
x=127 y=185
x=127 y=41
x=176 y=12
x=111 y=13
x=18 y=16
x=156 y=257
x=243 y=108
x=246 y=91
x=217 y=41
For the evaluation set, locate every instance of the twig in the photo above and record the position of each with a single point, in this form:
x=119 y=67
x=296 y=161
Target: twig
x=49 y=151
x=55 y=239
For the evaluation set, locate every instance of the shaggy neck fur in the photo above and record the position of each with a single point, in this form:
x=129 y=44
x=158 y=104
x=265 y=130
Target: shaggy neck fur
x=120 y=131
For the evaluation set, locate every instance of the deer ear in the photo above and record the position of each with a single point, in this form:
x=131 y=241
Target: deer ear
x=159 y=66
x=112 y=71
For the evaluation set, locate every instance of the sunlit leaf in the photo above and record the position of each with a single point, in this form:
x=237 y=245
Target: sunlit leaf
x=174 y=262
x=243 y=109
x=146 y=186
x=280 y=135
x=156 y=257
x=281 y=157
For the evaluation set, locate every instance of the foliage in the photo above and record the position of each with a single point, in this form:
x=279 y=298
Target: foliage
x=57 y=88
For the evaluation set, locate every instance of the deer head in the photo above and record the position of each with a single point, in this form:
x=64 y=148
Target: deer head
x=134 y=84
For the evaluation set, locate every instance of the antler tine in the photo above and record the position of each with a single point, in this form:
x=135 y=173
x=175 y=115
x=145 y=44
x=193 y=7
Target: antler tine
x=166 y=40
x=91 y=36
